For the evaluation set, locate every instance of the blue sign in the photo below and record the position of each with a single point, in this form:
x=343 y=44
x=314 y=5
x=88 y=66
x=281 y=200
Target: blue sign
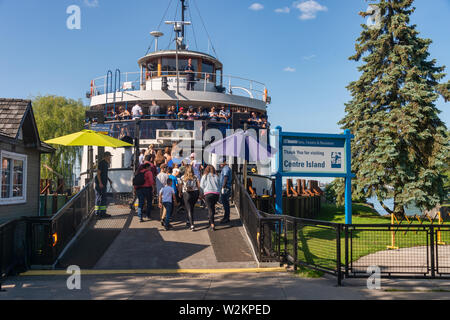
x=314 y=155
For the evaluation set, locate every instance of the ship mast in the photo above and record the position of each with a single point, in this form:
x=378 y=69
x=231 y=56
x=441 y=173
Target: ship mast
x=183 y=8
x=178 y=26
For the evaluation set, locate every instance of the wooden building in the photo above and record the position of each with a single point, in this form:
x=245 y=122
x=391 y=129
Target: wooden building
x=20 y=150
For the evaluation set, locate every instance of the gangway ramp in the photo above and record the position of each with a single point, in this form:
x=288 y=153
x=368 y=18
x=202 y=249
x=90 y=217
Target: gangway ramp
x=121 y=242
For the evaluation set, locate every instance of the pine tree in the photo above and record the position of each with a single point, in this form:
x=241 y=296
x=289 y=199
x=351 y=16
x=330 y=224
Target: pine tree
x=400 y=144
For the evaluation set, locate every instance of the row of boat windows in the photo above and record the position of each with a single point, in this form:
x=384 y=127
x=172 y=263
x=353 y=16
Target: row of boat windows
x=120 y=130
x=170 y=64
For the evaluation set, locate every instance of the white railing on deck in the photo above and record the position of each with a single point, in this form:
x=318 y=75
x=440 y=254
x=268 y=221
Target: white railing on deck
x=131 y=81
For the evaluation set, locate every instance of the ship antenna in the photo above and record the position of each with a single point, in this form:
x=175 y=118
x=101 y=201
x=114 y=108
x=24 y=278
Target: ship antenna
x=183 y=9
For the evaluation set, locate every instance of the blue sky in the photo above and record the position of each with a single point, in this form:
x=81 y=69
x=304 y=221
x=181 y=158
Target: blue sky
x=299 y=51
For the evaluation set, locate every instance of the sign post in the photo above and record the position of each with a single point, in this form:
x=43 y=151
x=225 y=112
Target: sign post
x=314 y=155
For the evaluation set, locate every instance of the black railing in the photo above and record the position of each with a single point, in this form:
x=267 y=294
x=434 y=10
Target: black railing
x=264 y=232
x=50 y=236
x=352 y=251
x=346 y=251
x=13 y=247
x=40 y=240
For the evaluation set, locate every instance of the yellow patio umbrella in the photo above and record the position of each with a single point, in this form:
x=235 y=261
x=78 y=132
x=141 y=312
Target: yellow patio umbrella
x=89 y=138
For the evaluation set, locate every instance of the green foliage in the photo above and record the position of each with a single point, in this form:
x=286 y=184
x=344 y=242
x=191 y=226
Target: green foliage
x=330 y=193
x=400 y=146
x=335 y=193
x=55 y=117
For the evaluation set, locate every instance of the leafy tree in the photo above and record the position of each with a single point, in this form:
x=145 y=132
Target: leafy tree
x=55 y=117
x=400 y=145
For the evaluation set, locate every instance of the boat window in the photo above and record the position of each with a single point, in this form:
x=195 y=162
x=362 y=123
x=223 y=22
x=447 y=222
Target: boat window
x=207 y=67
x=152 y=68
x=169 y=65
x=148 y=128
x=120 y=130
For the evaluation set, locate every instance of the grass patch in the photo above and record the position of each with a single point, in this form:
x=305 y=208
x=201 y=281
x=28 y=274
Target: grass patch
x=304 y=272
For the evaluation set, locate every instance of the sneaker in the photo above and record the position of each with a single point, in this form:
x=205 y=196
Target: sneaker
x=141 y=220
x=168 y=227
x=105 y=215
x=188 y=225
x=162 y=223
x=192 y=228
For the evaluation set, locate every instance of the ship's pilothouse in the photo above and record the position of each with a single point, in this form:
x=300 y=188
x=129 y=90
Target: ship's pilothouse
x=197 y=103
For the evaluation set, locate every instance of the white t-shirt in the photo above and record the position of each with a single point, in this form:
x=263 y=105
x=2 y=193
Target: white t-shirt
x=167 y=193
x=136 y=111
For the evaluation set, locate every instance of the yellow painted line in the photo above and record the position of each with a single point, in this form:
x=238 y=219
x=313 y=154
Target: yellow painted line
x=154 y=271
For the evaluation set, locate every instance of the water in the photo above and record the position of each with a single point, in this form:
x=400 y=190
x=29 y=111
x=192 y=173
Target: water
x=409 y=210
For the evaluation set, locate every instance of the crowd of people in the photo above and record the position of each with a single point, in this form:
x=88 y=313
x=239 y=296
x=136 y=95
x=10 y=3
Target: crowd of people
x=177 y=184
x=215 y=113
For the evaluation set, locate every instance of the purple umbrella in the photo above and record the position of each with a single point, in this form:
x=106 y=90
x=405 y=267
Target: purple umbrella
x=242 y=145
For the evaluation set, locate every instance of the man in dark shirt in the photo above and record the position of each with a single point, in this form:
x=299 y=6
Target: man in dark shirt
x=101 y=181
x=190 y=75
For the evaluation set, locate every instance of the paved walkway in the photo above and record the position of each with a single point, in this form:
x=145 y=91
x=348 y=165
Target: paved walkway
x=404 y=260
x=122 y=242
x=122 y=258
x=238 y=286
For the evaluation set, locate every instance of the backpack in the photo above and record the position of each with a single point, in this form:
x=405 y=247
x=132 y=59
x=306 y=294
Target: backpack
x=139 y=179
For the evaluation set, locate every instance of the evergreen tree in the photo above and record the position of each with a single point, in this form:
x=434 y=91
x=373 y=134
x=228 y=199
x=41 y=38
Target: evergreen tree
x=400 y=145
x=55 y=117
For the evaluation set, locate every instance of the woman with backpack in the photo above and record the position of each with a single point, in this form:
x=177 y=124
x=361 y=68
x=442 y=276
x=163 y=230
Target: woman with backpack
x=210 y=183
x=143 y=183
x=190 y=187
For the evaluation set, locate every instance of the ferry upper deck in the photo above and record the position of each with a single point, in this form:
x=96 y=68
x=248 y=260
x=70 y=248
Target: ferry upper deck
x=158 y=79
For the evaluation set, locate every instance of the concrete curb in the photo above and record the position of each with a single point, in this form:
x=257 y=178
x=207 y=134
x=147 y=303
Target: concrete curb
x=153 y=271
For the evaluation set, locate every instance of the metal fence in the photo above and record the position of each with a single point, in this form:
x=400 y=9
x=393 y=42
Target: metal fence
x=13 y=247
x=264 y=232
x=346 y=251
x=354 y=251
x=40 y=240
x=50 y=236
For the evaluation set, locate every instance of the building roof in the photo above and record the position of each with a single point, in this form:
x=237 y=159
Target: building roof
x=16 y=115
x=12 y=112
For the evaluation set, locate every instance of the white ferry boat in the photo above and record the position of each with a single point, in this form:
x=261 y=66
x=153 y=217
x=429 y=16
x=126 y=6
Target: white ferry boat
x=162 y=77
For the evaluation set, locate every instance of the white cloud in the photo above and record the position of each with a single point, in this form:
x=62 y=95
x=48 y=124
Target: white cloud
x=308 y=9
x=283 y=10
x=309 y=57
x=91 y=3
x=289 y=69
x=256 y=6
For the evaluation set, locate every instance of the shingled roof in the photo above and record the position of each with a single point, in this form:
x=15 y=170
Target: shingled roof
x=12 y=112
